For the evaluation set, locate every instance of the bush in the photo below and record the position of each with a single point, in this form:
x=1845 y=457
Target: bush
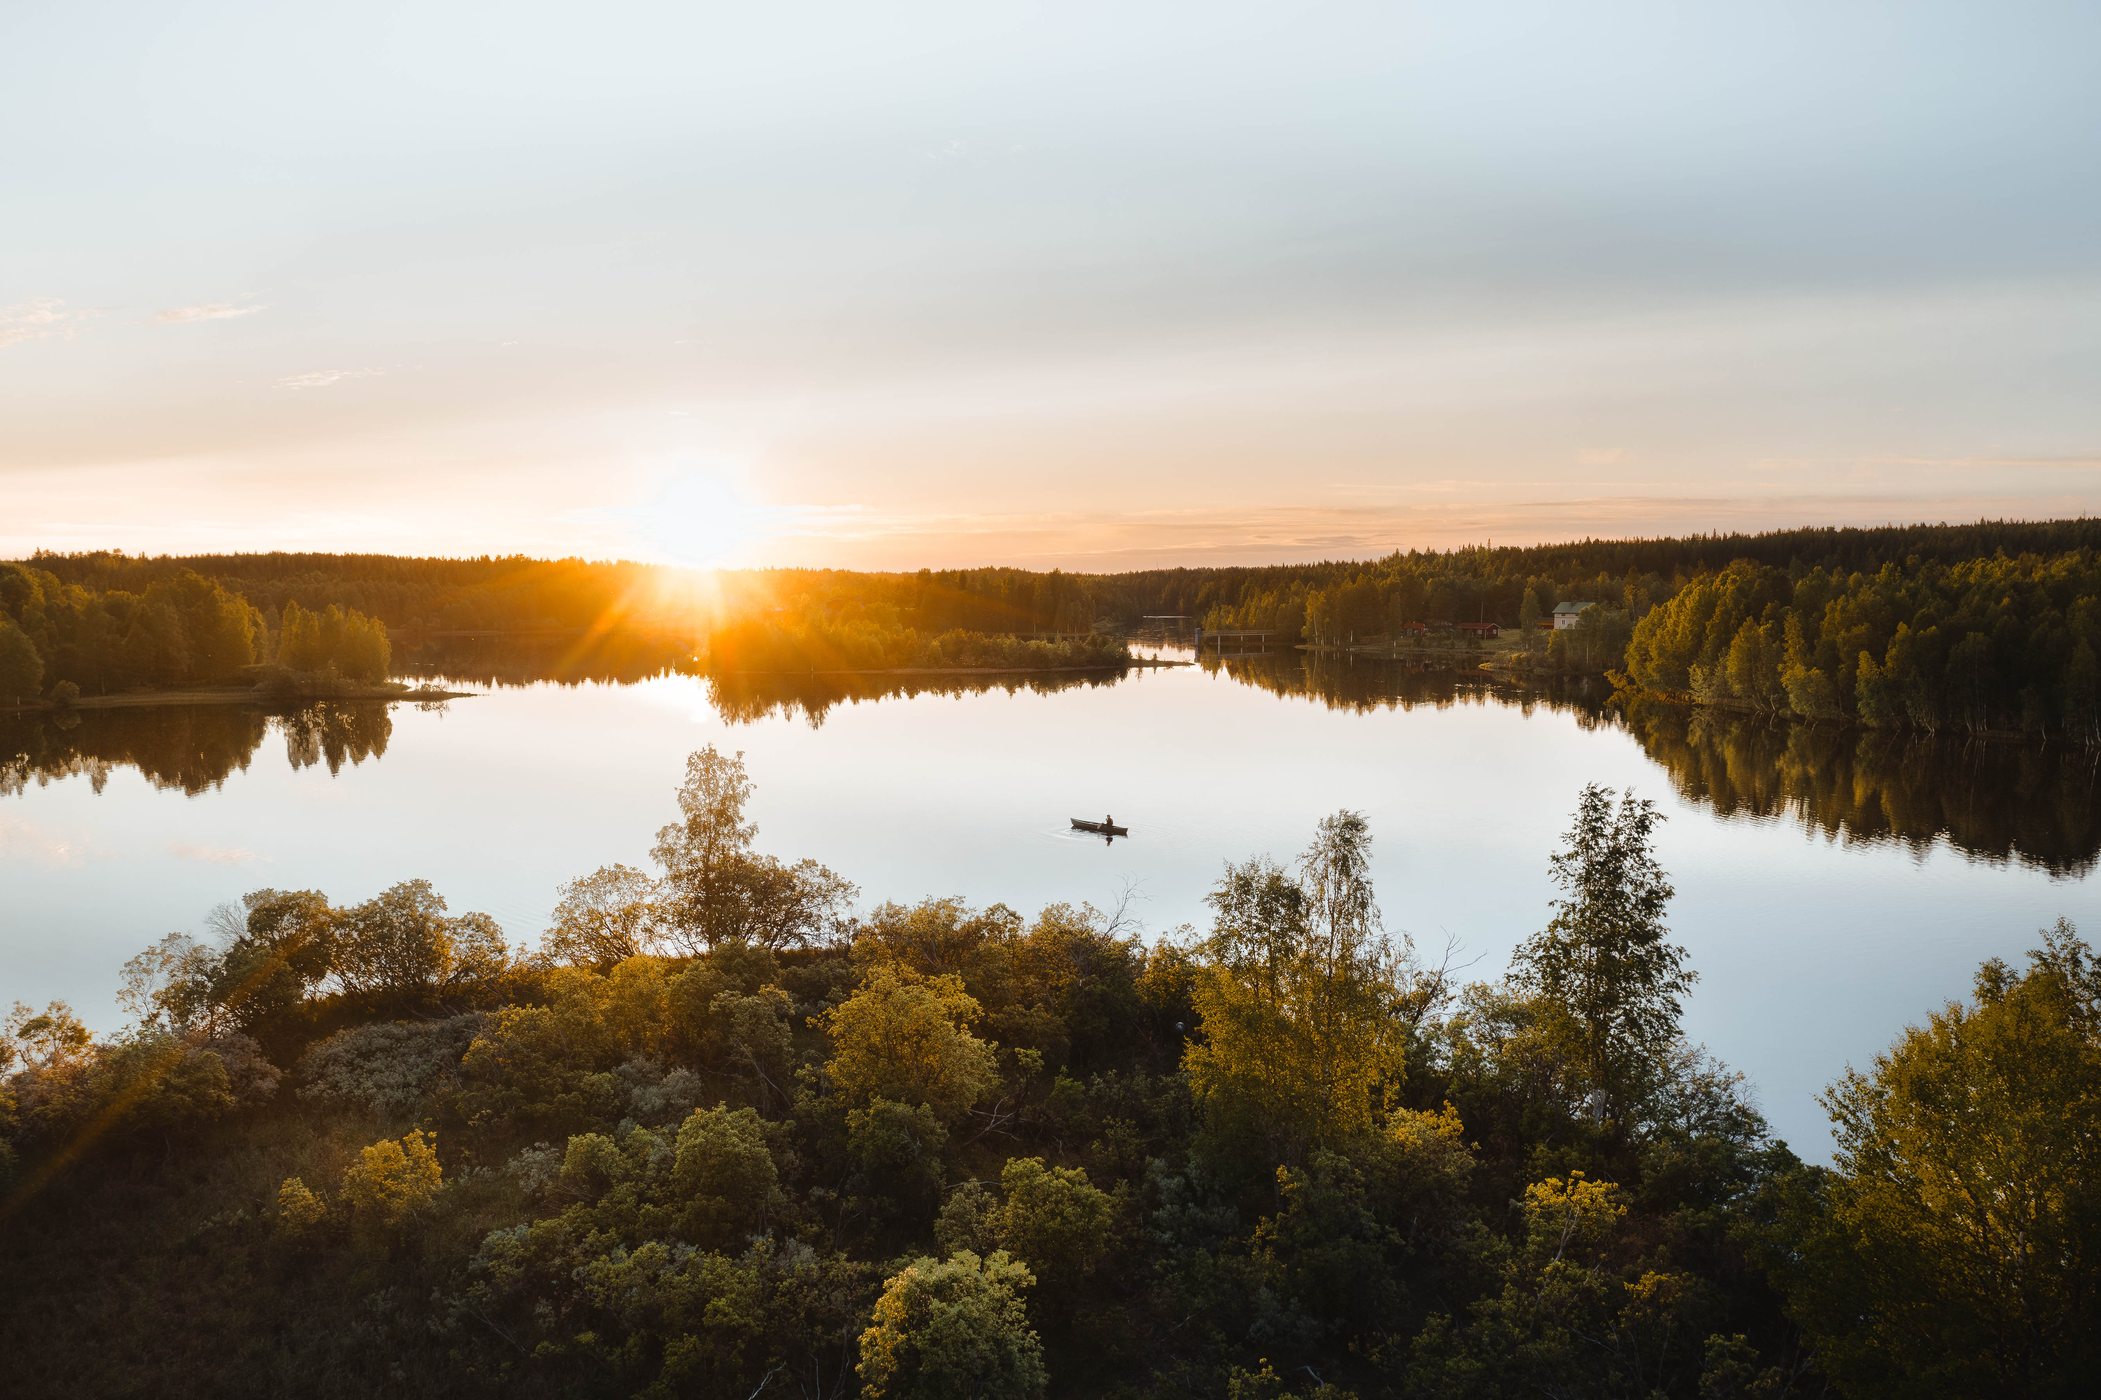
x=299 y=1210
x=392 y=1180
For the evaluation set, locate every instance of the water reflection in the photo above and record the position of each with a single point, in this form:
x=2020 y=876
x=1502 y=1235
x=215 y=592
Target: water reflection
x=1365 y=685
x=187 y=748
x=1997 y=801
x=1994 y=800
x=744 y=699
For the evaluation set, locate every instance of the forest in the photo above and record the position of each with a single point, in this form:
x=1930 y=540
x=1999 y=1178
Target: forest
x=722 y=1133
x=1987 y=628
x=181 y=630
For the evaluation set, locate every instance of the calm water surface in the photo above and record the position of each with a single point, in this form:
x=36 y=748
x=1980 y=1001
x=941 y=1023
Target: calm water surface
x=1830 y=889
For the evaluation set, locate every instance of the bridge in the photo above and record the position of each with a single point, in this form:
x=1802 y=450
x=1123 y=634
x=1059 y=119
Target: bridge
x=1242 y=638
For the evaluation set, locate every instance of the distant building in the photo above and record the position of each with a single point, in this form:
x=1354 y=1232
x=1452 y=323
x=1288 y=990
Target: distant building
x=1565 y=614
x=1482 y=629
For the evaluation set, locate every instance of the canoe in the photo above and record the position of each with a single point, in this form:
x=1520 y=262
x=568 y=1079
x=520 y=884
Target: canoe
x=1099 y=828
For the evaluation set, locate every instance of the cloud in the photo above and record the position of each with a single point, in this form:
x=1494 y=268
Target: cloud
x=208 y=311
x=211 y=855
x=322 y=378
x=24 y=839
x=40 y=320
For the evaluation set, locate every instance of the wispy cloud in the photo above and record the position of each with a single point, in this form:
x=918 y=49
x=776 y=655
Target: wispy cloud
x=209 y=311
x=22 y=838
x=211 y=855
x=40 y=320
x=322 y=378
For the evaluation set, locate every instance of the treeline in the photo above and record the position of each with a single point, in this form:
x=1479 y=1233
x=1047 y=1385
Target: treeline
x=1943 y=649
x=718 y=1137
x=182 y=629
x=487 y=593
x=2000 y=643
x=1490 y=584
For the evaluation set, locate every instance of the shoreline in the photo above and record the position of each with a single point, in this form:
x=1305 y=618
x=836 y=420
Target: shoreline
x=1135 y=663
x=244 y=695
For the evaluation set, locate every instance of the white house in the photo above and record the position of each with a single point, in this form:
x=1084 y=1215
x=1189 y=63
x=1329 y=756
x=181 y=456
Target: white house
x=1565 y=614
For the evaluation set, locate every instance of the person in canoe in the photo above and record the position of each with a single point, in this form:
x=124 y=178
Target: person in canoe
x=1109 y=822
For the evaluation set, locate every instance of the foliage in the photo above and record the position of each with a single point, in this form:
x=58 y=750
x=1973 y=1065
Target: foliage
x=1957 y=1247
x=907 y=1039
x=392 y=1180
x=977 y=1153
x=953 y=1329
x=389 y=1068
x=1604 y=973
x=605 y=917
x=334 y=640
x=1987 y=643
x=299 y=1211
x=716 y=887
x=1300 y=995
x=401 y=945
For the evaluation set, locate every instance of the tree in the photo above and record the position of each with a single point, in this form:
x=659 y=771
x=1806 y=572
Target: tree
x=908 y=1039
x=1055 y=1220
x=1959 y=1250
x=954 y=1329
x=400 y=943
x=21 y=669
x=716 y=888
x=725 y=1172
x=604 y=917
x=1301 y=998
x=704 y=851
x=390 y=1180
x=1605 y=974
x=299 y=1211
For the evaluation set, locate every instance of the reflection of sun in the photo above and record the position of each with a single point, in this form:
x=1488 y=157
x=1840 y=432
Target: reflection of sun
x=702 y=519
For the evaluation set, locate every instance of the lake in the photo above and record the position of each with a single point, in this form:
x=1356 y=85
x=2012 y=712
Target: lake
x=1831 y=886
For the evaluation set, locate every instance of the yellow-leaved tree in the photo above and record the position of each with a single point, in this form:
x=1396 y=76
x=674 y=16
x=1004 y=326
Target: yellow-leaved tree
x=392 y=1179
x=1306 y=1004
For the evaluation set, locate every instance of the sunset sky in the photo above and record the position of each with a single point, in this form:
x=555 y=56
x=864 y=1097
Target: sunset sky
x=1089 y=285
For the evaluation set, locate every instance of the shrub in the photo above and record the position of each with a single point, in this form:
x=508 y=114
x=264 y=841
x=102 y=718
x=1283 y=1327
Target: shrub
x=391 y=1180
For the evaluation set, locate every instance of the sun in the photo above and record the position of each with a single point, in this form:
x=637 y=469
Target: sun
x=703 y=518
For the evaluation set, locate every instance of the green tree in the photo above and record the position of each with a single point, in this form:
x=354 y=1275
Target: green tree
x=1302 y=999
x=21 y=669
x=603 y=918
x=724 y=1170
x=908 y=1039
x=953 y=1329
x=401 y=943
x=716 y=888
x=1959 y=1251
x=1055 y=1220
x=1604 y=972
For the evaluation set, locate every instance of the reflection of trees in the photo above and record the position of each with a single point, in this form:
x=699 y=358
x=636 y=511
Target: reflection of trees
x=744 y=697
x=188 y=748
x=1365 y=684
x=1999 y=800
x=332 y=733
x=2036 y=803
